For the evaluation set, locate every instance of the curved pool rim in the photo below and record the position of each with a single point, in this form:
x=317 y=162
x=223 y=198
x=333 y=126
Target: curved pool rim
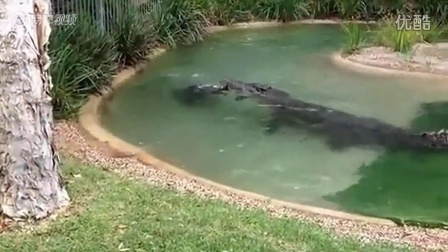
x=90 y=123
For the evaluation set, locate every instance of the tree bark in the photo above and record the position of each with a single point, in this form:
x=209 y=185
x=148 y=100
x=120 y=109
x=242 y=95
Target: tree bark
x=30 y=181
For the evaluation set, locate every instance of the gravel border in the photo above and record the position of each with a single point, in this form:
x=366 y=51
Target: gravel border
x=72 y=142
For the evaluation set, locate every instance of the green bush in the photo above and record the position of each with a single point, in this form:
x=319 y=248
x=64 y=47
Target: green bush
x=99 y=47
x=134 y=38
x=225 y=12
x=84 y=60
x=351 y=9
x=177 y=22
x=70 y=71
x=282 y=10
x=400 y=40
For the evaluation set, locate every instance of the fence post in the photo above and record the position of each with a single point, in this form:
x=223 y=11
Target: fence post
x=100 y=15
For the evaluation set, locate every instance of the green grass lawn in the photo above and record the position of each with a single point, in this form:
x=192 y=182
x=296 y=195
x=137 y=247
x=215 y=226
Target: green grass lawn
x=124 y=215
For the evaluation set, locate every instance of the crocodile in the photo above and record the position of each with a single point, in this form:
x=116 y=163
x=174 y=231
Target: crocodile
x=197 y=94
x=341 y=129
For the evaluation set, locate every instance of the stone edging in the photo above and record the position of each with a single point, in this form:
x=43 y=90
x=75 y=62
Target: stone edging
x=358 y=67
x=89 y=121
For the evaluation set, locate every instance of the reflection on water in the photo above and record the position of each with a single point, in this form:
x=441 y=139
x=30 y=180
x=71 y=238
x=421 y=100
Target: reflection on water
x=224 y=140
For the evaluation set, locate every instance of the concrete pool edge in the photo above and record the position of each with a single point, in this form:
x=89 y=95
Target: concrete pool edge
x=354 y=66
x=89 y=122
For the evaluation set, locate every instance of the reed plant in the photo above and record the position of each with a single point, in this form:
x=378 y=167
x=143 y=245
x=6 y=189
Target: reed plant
x=354 y=38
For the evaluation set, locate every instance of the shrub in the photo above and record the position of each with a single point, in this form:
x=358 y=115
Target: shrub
x=389 y=9
x=321 y=8
x=177 y=22
x=282 y=10
x=93 y=44
x=351 y=9
x=84 y=60
x=225 y=12
x=70 y=71
x=434 y=9
x=400 y=40
x=134 y=37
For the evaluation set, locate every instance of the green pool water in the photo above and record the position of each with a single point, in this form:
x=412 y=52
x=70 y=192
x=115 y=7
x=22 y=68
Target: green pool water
x=224 y=140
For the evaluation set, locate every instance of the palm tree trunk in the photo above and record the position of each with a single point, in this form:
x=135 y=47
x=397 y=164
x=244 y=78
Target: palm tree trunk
x=30 y=181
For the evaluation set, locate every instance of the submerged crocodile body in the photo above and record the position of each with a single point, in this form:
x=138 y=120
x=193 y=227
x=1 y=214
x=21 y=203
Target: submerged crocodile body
x=340 y=128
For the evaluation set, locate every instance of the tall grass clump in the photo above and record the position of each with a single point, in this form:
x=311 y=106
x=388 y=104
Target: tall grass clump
x=351 y=9
x=226 y=12
x=83 y=63
x=177 y=22
x=282 y=10
x=354 y=38
x=388 y=35
x=435 y=9
x=436 y=31
x=134 y=37
x=321 y=8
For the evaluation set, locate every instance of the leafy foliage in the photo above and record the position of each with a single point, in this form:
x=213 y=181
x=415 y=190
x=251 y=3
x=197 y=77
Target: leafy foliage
x=402 y=40
x=387 y=34
x=282 y=10
x=134 y=36
x=177 y=22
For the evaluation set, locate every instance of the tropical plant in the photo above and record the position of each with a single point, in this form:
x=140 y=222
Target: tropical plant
x=134 y=37
x=320 y=8
x=84 y=61
x=178 y=22
x=226 y=12
x=70 y=71
x=282 y=10
x=351 y=9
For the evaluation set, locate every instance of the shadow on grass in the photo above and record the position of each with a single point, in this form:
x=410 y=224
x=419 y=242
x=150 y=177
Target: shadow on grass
x=407 y=187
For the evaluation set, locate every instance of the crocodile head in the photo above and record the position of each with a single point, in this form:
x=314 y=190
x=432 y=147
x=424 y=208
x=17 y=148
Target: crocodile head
x=438 y=140
x=244 y=90
x=198 y=93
